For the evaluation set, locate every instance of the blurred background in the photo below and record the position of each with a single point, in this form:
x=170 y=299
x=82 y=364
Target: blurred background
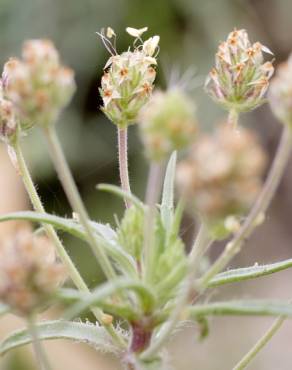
x=190 y=31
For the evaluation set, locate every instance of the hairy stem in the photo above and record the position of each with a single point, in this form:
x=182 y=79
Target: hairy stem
x=233 y=118
x=123 y=161
x=61 y=251
x=259 y=209
x=74 y=198
x=201 y=244
x=246 y=360
x=38 y=207
x=41 y=357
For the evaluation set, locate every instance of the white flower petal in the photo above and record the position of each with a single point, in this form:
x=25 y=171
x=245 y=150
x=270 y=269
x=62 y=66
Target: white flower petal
x=110 y=32
x=150 y=45
x=267 y=50
x=136 y=32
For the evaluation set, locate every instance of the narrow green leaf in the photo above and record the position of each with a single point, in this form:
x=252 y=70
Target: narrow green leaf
x=104 y=233
x=121 y=193
x=93 y=335
x=72 y=297
x=104 y=291
x=242 y=308
x=167 y=204
x=247 y=273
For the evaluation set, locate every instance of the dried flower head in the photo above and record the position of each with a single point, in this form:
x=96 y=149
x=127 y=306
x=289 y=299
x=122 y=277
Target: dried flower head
x=8 y=123
x=38 y=85
x=280 y=92
x=29 y=273
x=240 y=77
x=128 y=79
x=222 y=175
x=167 y=122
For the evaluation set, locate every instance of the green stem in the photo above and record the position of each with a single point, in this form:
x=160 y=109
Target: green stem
x=41 y=357
x=233 y=118
x=260 y=207
x=246 y=360
x=151 y=199
x=201 y=244
x=74 y=198
x=61 y=251
x=38 y=207
x=123 y=162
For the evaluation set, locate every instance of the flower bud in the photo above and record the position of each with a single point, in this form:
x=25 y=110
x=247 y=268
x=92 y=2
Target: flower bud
x=222 y=176
x=131 y=232
x=38 y=85
x=167 y=123
x=280 y=92
x=128 y=79
x=29 y=273
x=240 y=78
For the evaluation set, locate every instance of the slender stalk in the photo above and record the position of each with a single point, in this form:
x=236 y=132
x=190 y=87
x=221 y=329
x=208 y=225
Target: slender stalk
x=38 y=207
x=246 y=360
x=123 y=161
x=260 y=207
x=201 y=244
x=152 y=195
x=75 y=200
x=233 y=119
x=61 y=251
x=41 y=357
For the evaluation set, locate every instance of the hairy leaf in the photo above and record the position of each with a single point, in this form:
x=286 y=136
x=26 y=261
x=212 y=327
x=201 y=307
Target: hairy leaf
x=104 y=291
x=247 y=273
x=252 y=308
x=104 y=233
x=93 y=335
x=121 y=193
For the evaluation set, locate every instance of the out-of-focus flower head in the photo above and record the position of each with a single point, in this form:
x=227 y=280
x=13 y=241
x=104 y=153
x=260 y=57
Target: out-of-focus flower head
x=167 y=123
x=128 y=79
x=29 y=273
x=8 y=123
x=280 y=92
x=240 y=78
x=222 y=176
x=38 y=85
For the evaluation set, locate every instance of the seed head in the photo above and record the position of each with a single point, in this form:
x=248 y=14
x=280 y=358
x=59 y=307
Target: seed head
x=128 y=79
x=8 y=123
x=167 y=123
x=38 y=85
x=222 y=176
x=240 y=78
x=29 y=273
x=280 y=92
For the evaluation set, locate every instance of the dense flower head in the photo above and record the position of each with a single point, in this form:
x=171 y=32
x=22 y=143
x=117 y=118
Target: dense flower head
x=127 y=82
x=8 y=123
x=280 y=92
x=222 y=175
x=38 y=85
x=167 y=123
x=240 y=77
x=29 y=273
